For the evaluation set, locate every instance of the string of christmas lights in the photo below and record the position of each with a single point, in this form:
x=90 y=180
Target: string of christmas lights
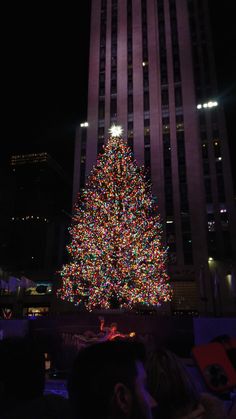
x=116 y=248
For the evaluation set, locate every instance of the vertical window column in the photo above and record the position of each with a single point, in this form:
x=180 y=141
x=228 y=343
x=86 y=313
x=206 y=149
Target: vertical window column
x=175 y=41
x=130 y=73
x=102 y=65
x=114 y=22
x=83 y=157
x=146 y=104
x=184 y=205
x=162 y=42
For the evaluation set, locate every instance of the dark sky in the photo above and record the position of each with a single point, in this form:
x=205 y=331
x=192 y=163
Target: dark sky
x=44 y=79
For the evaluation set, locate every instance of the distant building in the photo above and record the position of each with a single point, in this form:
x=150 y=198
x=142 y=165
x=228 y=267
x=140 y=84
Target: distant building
x=152 y=71
x=34 y=226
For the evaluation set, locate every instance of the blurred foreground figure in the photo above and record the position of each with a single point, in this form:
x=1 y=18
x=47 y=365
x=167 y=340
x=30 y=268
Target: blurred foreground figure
x=22 y=379
x=108 y=380
x=175 y=390
x=21 y=372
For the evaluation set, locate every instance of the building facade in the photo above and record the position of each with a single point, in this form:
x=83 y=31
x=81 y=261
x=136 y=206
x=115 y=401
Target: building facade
x=151 y=70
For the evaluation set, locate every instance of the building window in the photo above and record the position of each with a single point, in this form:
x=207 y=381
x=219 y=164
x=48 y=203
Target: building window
x=164 y=97
x=147 y=161
x=162 y=42
x=146 y=101
x=221 y=188
x=130 y=134
x=129 y=54
x=169 y=207
x=206 y=167
x=224 y=219
x=219 y=166
x=145 y=78
x=130 y=104
x=35 y=311
x=145 y=54
x=101 y=109
x=212 y=244
x=113 y=87
x=166 y=125
x=179 y=123
x=101 y=132
x=102 y=64
x=214 y=116
x=185 y=222
x=203 y=135
x=208 y=190
x=183 y=197
x=227 y=244
x=202 y=119
x=204 y=151
x=130 y=80
x=181 y=147
x=83 y=157
x=210 y=222
x=113 y=108
x=175 y=42
x=147 y=139
x=217 y=149
x=182 y=174
x=147 y=153
x=188 y=256
x=178 y=97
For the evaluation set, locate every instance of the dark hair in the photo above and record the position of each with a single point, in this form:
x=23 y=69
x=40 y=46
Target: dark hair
x=96 y=370
x=171 y=385
x=21 y=371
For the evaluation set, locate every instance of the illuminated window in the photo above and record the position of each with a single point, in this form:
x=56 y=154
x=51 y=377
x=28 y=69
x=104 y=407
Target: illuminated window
x=35 y=311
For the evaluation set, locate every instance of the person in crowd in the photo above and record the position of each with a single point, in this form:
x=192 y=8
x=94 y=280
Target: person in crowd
x=22 y=380
x=171 y=384
x=21 y=372
x=108 y=380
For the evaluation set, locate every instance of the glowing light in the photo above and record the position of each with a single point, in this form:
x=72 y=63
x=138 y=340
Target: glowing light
x=84 y=124
x=210 y=259
x=229 y=280
x=116 y=130
x=210 y=104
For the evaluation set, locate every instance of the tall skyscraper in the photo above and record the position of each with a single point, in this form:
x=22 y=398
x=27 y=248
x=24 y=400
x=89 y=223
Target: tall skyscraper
x=151 y=70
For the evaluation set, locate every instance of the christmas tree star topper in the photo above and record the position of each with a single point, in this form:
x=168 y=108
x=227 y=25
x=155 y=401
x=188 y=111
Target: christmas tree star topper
x=116 y=130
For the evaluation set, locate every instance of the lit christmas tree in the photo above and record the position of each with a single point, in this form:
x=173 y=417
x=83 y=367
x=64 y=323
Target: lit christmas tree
x=116 y=249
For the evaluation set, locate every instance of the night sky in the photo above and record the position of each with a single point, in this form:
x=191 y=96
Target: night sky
x=45 y=66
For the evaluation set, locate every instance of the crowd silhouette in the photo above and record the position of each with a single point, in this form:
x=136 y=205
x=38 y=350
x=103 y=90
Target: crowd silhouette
x=113 y=377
